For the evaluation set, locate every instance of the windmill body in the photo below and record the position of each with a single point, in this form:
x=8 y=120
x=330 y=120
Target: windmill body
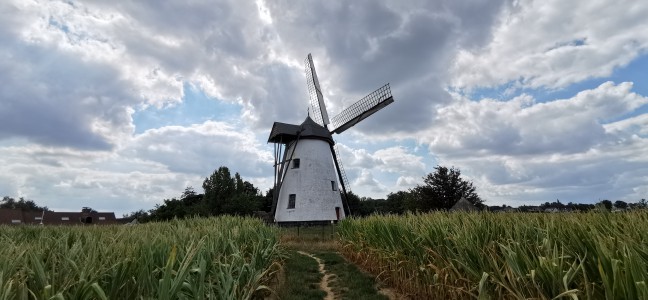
x=308 y=171
x=310 y=186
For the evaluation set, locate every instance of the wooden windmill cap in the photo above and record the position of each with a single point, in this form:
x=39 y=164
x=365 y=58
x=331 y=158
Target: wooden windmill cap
x=309 y=129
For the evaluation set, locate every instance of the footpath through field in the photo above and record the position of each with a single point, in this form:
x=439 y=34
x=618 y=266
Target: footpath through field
x=314 y=269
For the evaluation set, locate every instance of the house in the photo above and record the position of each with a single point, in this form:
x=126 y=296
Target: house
x=463 y=205
x=85 y=217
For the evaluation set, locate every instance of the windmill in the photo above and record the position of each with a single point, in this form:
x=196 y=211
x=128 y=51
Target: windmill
x=307 y=165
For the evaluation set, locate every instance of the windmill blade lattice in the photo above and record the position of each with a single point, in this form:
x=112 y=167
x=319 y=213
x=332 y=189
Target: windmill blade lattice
x=317 y=106
x=360 y=110
x=344 y=178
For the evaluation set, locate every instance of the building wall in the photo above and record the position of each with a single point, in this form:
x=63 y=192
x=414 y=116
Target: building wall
x=315 y=200
x=18 y=217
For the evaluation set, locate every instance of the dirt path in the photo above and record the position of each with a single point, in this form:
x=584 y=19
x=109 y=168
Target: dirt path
x=326 y=277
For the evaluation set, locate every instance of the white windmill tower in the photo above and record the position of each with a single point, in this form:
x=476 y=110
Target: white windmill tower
x=307 y=167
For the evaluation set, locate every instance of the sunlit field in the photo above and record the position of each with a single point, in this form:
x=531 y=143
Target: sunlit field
x=504 y=256
x=216 y=258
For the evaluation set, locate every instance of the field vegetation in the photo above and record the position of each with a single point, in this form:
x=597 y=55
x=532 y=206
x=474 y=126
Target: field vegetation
x=307 y=250
x=595 y=255
x=200 y=258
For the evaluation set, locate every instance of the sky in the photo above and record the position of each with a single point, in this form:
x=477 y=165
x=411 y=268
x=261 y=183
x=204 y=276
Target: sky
x=117 y=105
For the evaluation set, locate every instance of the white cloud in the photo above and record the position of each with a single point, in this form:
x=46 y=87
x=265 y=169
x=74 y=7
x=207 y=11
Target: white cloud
x=542 y=151
x=366 y=182
x=395 y=167
x=398 y=160
x=69 y=179
x=522 y=127
x=635 y=126
x=407 y=182
x=551 y=44
x=202 y=148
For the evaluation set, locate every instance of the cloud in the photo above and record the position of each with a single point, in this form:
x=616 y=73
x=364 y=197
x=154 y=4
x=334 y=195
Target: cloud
x=75 y=74
x=202 y=148
x=566 y=148
x=367 y=181
x=410 y=45
x=407 y=182
x=551 y=44
x=398 y=160
x=522 y=127
x=100 y=180
x=56 y=99
x=383 y=171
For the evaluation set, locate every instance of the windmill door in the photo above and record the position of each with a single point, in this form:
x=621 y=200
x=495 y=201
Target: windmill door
x=337 y=212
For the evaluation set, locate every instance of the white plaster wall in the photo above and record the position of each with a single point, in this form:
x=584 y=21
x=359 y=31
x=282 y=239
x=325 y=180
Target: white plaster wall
x=311 y=183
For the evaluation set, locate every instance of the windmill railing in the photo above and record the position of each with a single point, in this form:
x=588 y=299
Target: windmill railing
x=345 y=181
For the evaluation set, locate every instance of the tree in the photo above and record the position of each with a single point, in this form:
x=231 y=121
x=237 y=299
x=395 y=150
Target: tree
x=169 y=209
x=141 y=215
x=188 y=192
x=219 y=187
x=266 y=204
x=225 y=194
x=607 y=204
x=241 y=204
x=22 y=203
x=443 y=188
x=353 y=203
x=620 y=204
x=370 y=206
x=400 y=202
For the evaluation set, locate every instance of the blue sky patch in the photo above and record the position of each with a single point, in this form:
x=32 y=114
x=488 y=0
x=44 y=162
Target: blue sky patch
x=195 y=108
x=634 y=72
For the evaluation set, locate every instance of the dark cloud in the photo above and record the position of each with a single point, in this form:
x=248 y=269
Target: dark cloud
x=53 y=98
x=371 y=43
x=283 y=96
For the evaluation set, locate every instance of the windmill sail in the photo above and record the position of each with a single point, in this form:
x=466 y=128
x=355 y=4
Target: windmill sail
x=315 y=92
x=342 y=174
x=343 y=178
x=362 y=109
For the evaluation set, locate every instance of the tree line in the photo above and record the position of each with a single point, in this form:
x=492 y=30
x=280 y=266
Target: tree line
x=440 y=190
x=21 y=203
x=227 y=194
x=222 y=194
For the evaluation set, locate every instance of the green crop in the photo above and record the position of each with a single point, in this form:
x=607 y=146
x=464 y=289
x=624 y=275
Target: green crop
x=211 y=258
x=505 y=256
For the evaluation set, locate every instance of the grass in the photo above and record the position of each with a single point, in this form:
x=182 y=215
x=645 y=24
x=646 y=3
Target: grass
x=504 y=256
x=349 y=281
x=302 y=276
x=312 y=238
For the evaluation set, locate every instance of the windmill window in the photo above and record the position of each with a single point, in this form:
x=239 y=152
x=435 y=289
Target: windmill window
x=333 y=185
x=295 y=163
x=291 y=201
